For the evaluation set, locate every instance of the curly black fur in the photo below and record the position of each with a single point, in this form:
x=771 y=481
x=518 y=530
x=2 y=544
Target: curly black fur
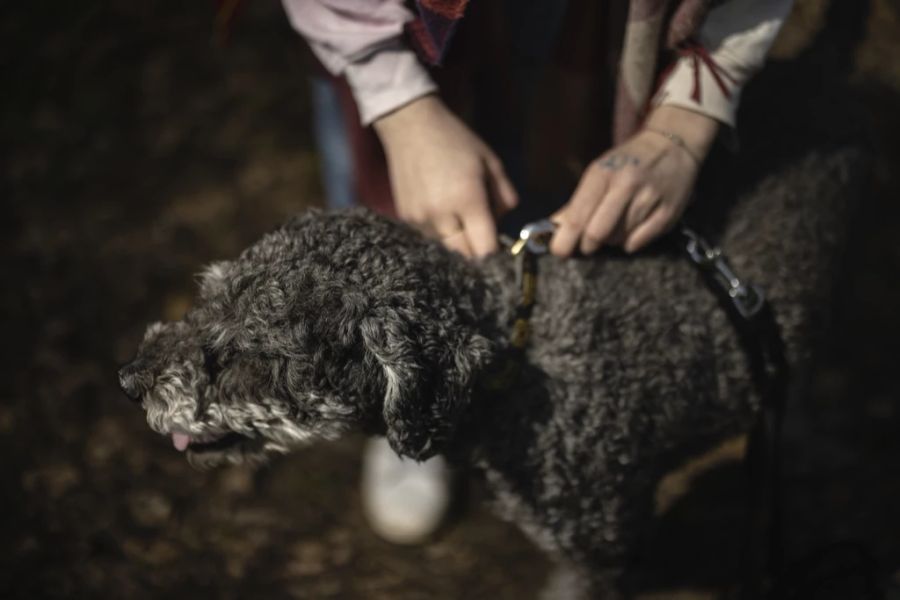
x=349 y=321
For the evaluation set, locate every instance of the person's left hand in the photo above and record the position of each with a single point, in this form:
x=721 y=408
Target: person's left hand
x=637 y=190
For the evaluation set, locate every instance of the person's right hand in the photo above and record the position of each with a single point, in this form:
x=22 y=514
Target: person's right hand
x=444 y=178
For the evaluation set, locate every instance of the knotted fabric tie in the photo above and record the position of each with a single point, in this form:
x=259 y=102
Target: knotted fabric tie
x=700 y=56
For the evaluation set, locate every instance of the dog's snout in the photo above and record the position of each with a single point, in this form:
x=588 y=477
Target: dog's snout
x=134 y=380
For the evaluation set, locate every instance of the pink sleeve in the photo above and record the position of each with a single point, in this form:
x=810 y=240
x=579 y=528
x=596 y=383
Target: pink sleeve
x=362 y=40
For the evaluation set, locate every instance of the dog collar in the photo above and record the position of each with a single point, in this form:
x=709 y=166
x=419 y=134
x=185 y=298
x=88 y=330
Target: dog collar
x=534 y=240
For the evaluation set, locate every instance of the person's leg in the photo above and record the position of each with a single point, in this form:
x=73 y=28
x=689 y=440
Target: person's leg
x=333 y=143
x=354 y=170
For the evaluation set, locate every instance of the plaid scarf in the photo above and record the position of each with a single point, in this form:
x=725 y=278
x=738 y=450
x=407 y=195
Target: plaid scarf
x=432 y=31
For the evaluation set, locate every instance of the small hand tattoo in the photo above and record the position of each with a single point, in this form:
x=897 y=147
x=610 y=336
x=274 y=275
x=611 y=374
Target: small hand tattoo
x=614 y=162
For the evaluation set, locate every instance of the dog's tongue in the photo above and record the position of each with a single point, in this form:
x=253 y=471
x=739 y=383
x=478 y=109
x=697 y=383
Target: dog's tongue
x=181 y=441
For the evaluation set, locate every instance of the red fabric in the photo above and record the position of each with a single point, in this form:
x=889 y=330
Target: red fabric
x=449 y=9
x=700 y=56
x=423 y=42
x=433 y=28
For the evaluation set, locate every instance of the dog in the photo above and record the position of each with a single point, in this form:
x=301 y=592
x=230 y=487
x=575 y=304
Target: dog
x=348 y=321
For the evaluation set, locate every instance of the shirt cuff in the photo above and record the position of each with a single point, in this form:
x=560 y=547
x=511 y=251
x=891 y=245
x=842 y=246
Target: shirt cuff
x=386 y=80
x=700 y=94
x=733 y=44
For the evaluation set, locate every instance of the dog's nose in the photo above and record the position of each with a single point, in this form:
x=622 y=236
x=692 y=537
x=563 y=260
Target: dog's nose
x=134 y=380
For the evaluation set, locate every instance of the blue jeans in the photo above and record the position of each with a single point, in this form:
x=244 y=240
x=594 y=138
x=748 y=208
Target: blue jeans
x=333 y=144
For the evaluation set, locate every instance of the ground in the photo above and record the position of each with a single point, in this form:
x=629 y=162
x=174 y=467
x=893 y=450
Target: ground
x=139 y=148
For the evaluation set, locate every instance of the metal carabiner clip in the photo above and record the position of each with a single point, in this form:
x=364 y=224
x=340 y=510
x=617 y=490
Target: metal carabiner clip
x=535 y=237
x=747 y=298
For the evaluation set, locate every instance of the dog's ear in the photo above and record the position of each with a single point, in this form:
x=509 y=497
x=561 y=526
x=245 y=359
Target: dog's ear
x=428 y=378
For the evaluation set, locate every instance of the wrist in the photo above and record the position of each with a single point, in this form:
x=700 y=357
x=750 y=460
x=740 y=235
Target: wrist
x=696 y=130
x=407 y=117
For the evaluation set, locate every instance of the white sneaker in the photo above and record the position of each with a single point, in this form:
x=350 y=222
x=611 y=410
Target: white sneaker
x=403 y=500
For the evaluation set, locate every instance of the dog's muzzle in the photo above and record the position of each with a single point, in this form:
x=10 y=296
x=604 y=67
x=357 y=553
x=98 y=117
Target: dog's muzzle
x=135 y=380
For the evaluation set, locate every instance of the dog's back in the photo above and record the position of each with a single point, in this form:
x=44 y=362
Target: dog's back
x=633 y=359
x=784 y=222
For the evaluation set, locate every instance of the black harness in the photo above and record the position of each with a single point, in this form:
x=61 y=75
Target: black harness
x=758 y=331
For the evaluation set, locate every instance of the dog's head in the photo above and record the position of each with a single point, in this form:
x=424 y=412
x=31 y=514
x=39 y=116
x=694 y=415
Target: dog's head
x=284 y=348
x=216 y=405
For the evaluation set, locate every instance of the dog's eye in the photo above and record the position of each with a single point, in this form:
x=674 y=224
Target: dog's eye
x=211 y=364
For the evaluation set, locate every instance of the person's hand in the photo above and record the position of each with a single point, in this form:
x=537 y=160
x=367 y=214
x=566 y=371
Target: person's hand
x=637 y=190
x=444 y=178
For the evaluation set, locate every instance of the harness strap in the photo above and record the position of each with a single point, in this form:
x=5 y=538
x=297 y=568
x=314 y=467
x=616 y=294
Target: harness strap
x=759 y=334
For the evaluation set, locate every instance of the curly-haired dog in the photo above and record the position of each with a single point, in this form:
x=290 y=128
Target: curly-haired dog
x=349 y=321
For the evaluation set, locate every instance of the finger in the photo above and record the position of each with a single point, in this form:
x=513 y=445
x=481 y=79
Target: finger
x=573 y=217
x=658 y=222
x=481 y=232
x=457 y=242
x=610 y=212
x=645 y=201
x=451 y=234
x=503 y=192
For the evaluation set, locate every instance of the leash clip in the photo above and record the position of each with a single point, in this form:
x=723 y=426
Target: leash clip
x=534 y=240
x=746 y=297
x=535 y=237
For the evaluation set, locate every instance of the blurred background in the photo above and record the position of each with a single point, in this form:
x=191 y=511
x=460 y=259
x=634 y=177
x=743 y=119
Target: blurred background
x=137 y=148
